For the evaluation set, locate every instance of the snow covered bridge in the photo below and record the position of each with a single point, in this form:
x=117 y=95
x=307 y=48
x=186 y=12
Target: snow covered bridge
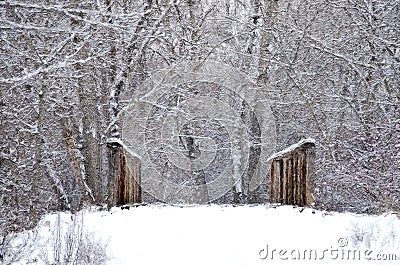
x=201 y=132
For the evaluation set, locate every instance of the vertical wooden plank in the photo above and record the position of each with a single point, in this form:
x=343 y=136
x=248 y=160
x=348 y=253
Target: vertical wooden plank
x=277 y=174
x=303 y=172
x=309 y=181
x=137 y=190
x=299 y=171
x=120 y=181
x=277 y=181
x=272 y=182
x=295 y=179
x=290 y=198
x=300 y=162
x=285 y=182
x=281 y=180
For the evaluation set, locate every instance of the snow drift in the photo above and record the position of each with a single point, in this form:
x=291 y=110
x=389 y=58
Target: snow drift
x=214 y=234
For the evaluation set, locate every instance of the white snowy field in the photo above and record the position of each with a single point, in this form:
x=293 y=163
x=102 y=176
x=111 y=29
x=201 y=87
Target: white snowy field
x=161 y=234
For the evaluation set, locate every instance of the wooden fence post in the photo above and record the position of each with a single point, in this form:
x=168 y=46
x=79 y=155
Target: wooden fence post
x=124 y=186
x=290 y=171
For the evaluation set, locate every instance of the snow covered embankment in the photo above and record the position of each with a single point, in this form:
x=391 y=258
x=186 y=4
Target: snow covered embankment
x=213 y=235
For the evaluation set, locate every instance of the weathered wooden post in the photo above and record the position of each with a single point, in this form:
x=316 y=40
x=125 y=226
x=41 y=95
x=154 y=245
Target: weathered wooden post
x=128 y=188
x=124 y=187
x=290 y=174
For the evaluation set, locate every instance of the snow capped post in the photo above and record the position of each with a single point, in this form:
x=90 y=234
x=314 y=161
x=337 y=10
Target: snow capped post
x=290 y=171
x=125 y=188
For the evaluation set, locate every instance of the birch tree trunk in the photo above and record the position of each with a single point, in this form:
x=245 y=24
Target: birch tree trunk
x=262 y=17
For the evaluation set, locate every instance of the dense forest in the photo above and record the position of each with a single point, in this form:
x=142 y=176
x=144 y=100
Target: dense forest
x=329 y=70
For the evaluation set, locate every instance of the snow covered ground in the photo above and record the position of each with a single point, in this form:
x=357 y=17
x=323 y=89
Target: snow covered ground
x=212 y=234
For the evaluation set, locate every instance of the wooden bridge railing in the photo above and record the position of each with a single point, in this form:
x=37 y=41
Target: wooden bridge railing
x=290 y=176
x=124 y=184
x=290 y=181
